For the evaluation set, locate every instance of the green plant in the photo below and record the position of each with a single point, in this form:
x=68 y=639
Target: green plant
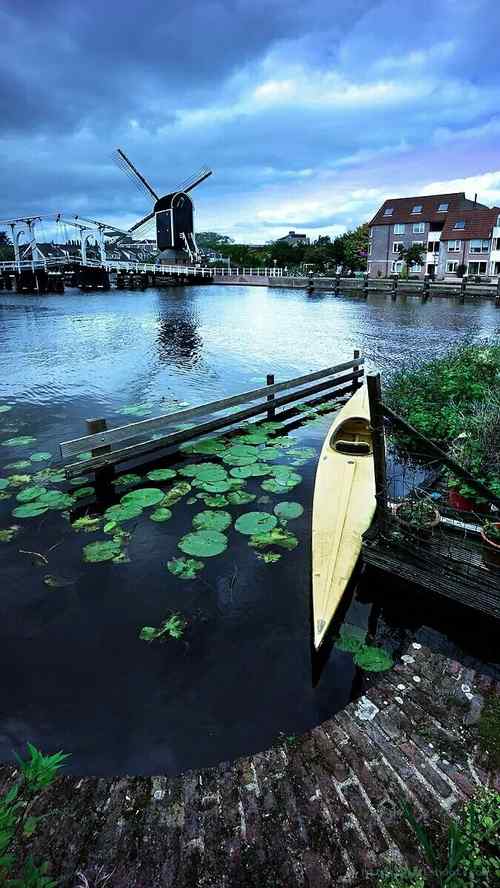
x=417 y=513
x=491 y=530
x=17 y=822
x=489 y=730
x=174 y=626
x=401 y=877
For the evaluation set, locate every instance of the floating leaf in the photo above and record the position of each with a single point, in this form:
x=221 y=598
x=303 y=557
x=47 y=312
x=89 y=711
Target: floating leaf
x=20 y=441
x=253 y=438
x=4 y=483
x=270 y=426
x=373 y=659
x=191 y=500
x=288 y=510
x=18 y=480
x=9 y=533
x=30 y=493
x=5 y=495
x=123 y=512
x=185 y=568
x=18 y=464
x=240 y=497
x=161 y=474
x=50 y=476
x=136 y=410
x=191 y=470
x=209 y=447
x=176 y=493
x=273 y=487
x=83 y=491
x=269 y=557
x=276 y=537
x=174 y=626
x=215 y=501
x=55 y=499
x=30 y=510
x=125 y=481
x=145 y=497
x=214 y=486
x=212 y=520
x=4 y=408
x=203 y=543
x=80 y=479
x=264 y=499
x=87 y=523
x=161 y=514
x=252 y=523
x=110 y=526
x=101 y=551
x=254 y=470
x=352 y=639
x=42 y=456
x=270 y=453
x=55 y=582
x=302 y=452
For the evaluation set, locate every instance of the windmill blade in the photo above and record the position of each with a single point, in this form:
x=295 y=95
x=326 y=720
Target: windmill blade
x=194 y=180
x=141 y=222
x=128 y=167
x=147 y=227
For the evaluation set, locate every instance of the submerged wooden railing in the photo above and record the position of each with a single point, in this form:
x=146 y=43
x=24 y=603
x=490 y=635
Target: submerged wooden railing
x=339 y=380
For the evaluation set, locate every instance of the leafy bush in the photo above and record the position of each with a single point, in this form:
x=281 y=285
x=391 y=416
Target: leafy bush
x=400 y=877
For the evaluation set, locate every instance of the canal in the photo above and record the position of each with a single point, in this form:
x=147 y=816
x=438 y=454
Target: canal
x=75 y=674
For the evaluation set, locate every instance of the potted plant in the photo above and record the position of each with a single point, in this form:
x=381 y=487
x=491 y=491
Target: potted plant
x=463 y=497
x=419 y=516
x=490 y=535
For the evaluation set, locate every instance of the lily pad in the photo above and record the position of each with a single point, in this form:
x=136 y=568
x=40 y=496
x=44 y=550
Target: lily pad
x=352 y=639
x=161 y=514
x=50 y=476
x=135 y=410
x=55 y=582
x=276 y=537
x=20 y=441
x=208 y=472
x=176 y=493
x=203 y=543
x=302 y=452
x=161 y=474
x=212 y=520
x=272 y=486
x=30 y=510
x=269 y=557
x=4 y=408
x=252 y=523
x=87 y=523
x=123 y=482
x=55 y=499
x=191 y=470
x=9 y=533
x=214 y=486
x=185 y=568
x=80 y=479
x=18 y=464
x=41 y=456
x=213 y=500
x=209 y=447
x=254 y=470
x=101 y=551
x=240 y=497
x=270 y=453
x=270 y=426
x=83 y=492
x=373 y=659
x=18 y=480
x=4 y=483
x=174 y=627
x=144 y=497
x=288 y=511
x=30 y=493
x=123 y=512
x=253 y=438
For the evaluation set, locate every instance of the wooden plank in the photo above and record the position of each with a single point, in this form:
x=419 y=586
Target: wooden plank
x=136 y=451
x=132 y=430
x=378 y=439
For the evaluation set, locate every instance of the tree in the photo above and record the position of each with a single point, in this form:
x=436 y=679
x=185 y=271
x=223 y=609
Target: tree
x=211 y=240
x=413 y=255
x=355 y=248
x=6 y=247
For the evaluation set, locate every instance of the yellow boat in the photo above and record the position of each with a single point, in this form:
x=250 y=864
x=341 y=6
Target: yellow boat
x=343 y=507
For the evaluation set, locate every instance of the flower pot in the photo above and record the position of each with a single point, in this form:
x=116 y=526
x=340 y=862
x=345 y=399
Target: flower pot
x=462 y=504
x=491 y=550
x=423 y=531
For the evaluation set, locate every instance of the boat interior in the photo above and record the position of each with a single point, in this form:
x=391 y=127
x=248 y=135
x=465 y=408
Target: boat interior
x=353 y=437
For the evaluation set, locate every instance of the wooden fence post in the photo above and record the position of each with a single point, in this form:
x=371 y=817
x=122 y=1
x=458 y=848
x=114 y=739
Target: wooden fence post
x=271 y=413
x=355 y=382
x=107 y=473
x=378 y=438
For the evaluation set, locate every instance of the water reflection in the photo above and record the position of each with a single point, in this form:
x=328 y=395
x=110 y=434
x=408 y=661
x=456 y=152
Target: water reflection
x=179 y=341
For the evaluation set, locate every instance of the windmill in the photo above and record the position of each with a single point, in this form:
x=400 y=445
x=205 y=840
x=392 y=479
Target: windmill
x=173 y=213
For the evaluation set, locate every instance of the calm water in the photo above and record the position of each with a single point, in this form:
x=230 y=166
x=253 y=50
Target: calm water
x=74 y=673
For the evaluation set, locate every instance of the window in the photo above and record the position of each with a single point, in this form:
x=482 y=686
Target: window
x=496 y=244
x=443 y=208
x=476 y=268
x=433 y=247
x=397 y=246
x=479 y=246
x=451 y=267
x=416 y=268
x=454 y=246
x=396 y=267
x=417 y=243
x=368 y=267
x=418 y=227
x=388 y=211
x=459 y=224
x=399 y=229
x=417 y=209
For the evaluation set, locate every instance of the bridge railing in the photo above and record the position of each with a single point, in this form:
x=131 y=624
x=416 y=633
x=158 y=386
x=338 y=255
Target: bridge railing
x=138 y=267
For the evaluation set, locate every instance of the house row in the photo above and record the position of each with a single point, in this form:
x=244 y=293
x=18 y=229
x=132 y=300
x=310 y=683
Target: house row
x=457 y=236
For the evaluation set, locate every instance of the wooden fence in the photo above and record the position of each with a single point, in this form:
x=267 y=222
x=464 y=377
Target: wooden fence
x=339 y=381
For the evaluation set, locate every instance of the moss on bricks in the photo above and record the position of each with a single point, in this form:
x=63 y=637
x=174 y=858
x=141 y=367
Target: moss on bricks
x=489 y=730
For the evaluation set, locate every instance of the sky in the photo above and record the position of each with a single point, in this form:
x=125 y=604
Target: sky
x=309 y=113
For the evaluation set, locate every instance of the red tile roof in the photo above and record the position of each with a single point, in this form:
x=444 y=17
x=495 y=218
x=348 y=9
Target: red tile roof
x=402 y=208
x=478 y=220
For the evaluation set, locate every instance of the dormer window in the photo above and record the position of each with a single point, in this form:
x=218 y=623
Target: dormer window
x=388 y=211
x=417 y=208
x=459 y=224
x=443 y=208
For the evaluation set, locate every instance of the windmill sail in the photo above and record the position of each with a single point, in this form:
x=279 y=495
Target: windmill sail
x=133 y=173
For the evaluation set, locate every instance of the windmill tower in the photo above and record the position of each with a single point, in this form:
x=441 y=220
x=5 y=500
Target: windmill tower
x=172 y=213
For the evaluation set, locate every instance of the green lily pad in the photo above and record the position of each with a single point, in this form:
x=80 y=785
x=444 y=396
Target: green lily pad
x=83 y=492
x=270 y=453
x=288 y=510
x=123 y=482
x=212 y=520
x=55 y=499
x=176 y=493
x=352 y=639
x=254 y=470
x=208 y=447
x=302 y=452
x=253 y=438
x=270 y=426
x=240 y=497
x=50 y=476
x=30 y=493
x=4 y=408
x=42 y=456
x=123 y=512
x=30 y=510
x=135 y=410
x=9 y=533
x=203 y=543
x=101 y=551
x=252 y=523
x=18 y=464
x=4 y=483
x=185 y=568
x=373 y=659
x=18 y=480
x=161 y=514
x=87 y=523
x=80 y=479
x=161 y=474
x=5 y=495
x=276 y=537
x=213 y=500
x=174 y=627
x=264 y=499
x=144 y=497
x=272 y=486
x=20 y=441
x=269 y=557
